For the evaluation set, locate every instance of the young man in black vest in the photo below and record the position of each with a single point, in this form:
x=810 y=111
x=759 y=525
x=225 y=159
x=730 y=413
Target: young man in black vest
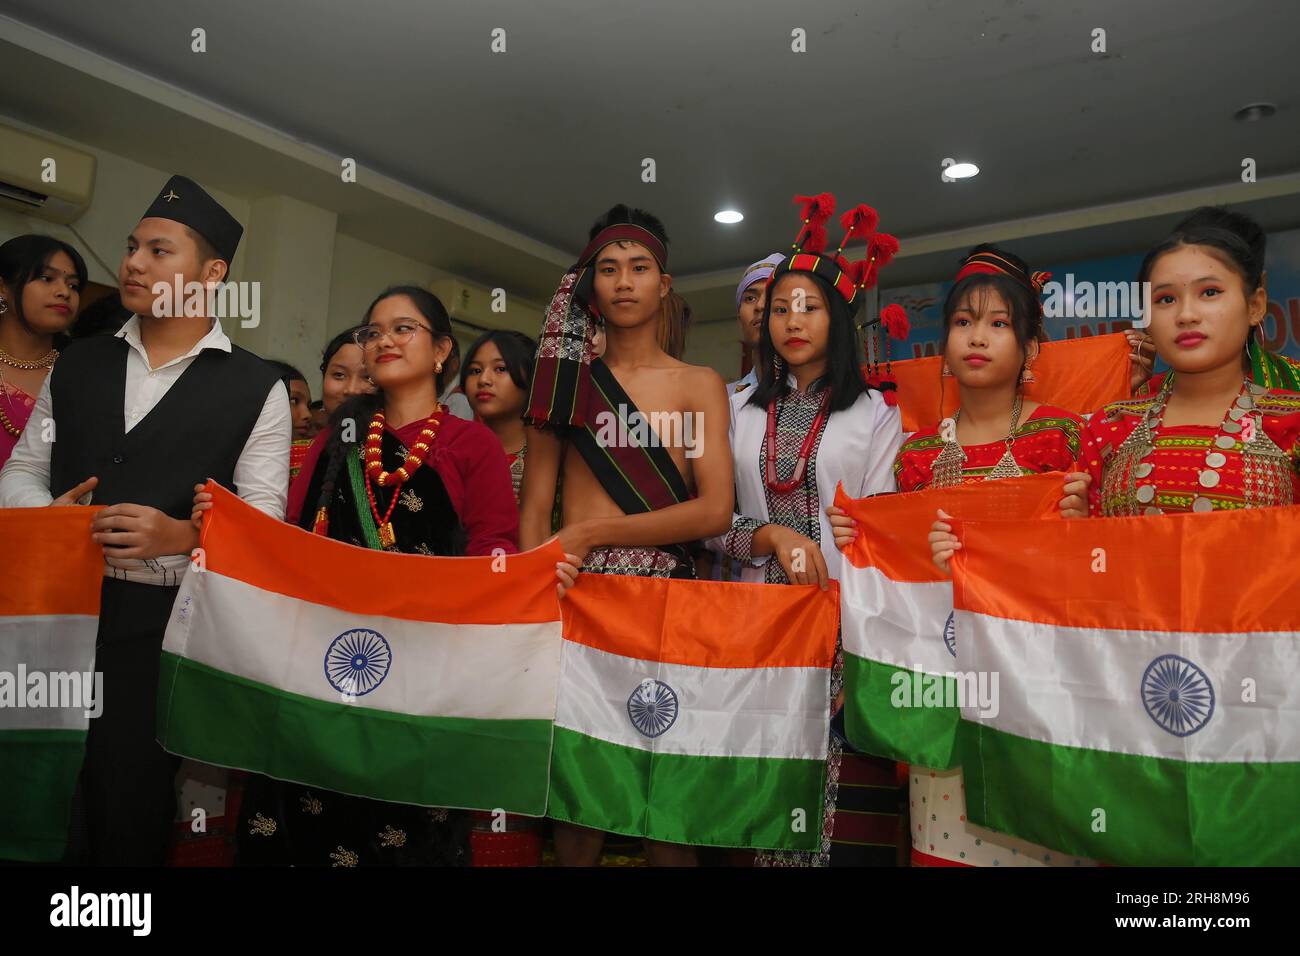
x=140 y=418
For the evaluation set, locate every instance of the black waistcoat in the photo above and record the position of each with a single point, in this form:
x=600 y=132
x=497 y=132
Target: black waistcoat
x=197 y=431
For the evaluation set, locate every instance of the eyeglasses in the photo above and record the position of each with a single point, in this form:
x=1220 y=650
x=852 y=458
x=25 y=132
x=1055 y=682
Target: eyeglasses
x=401 y=333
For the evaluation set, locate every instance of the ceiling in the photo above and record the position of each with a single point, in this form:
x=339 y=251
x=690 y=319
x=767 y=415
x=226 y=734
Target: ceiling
x=520 y=151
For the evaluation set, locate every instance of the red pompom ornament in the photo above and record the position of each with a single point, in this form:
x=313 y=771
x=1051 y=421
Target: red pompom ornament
x=859 y=222
x=894 y=319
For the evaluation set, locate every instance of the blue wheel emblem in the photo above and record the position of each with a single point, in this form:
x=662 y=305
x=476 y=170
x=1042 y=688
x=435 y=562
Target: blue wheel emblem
x=1177 y=694
x=357 y=661
x=950 y=634
x=652 y=708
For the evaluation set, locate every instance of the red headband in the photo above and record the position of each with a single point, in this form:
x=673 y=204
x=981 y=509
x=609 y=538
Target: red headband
x=987 y=263
x=625 y=232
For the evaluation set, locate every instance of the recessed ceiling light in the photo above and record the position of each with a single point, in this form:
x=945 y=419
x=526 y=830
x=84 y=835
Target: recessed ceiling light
x=962 y=171
x=728 y=216
x=1255 y=111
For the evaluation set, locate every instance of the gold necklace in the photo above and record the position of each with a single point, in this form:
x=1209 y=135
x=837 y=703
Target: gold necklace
x=9 y=427
x=45 y=361
x=5 y=422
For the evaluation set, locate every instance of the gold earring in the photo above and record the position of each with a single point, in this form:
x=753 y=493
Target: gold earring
x=437 y=368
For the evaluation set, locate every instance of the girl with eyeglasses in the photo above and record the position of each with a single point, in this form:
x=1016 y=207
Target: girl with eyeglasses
x=394 y=471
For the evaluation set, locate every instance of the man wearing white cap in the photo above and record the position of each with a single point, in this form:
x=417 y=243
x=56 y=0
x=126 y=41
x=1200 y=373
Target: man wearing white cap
x=751 y=301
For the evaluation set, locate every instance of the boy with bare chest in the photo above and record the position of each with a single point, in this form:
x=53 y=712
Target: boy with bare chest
x=639 y=438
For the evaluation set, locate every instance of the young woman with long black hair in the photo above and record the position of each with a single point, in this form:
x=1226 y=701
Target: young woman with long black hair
x=809 y=424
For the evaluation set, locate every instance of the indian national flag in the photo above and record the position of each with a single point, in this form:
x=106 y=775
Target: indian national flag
x=695 y=712
x=1149 y=706
x=413 y=679
x=900 y=648
x=50 y=578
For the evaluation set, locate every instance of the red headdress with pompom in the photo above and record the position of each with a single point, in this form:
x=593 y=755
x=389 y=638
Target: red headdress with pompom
x=809 y=247
x=849 y=278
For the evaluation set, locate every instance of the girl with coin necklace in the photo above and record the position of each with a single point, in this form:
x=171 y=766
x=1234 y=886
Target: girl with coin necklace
x=1210 y=438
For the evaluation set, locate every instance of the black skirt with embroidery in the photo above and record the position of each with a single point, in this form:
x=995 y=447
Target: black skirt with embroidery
x=285 y=823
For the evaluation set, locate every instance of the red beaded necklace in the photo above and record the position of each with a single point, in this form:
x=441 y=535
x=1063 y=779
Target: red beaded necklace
x=801 y=466
x=375 y=467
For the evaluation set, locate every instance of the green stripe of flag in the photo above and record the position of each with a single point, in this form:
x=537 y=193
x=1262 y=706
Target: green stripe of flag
x=216 y=717
x=709 y=801
x=1131 y=810
x=924 y=735
x=41 y=769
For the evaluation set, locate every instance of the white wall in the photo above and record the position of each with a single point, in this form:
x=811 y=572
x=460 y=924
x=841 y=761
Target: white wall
x=716 y=344
x=361 y=271
x=314 y=284
x=123 y=191
x=315 y=280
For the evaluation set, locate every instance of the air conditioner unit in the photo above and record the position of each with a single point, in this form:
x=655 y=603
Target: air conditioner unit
x=466 y=302
x=42 y=178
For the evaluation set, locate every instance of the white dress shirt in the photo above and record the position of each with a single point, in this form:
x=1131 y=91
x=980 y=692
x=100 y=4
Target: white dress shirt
x=261 y=474
x=857 y=450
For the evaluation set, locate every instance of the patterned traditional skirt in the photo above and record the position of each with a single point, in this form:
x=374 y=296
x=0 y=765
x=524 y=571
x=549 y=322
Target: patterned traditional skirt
x=640 y=562
x=941 y=836
x=864 y=808
x=863 y=815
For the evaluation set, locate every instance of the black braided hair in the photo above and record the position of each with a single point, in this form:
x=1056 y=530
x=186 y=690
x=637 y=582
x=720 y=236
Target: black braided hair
x=361 y=409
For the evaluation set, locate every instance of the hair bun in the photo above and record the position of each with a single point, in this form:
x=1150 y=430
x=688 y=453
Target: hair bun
x=1242 y=226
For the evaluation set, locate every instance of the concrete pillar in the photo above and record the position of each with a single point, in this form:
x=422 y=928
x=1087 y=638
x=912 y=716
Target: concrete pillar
x=289 y=249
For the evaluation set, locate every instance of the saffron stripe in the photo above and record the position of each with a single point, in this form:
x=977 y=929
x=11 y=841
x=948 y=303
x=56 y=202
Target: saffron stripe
x=243 y=543
x=676 y=622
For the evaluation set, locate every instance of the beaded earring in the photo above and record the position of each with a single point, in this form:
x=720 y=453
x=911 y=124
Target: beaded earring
x=777 y=363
